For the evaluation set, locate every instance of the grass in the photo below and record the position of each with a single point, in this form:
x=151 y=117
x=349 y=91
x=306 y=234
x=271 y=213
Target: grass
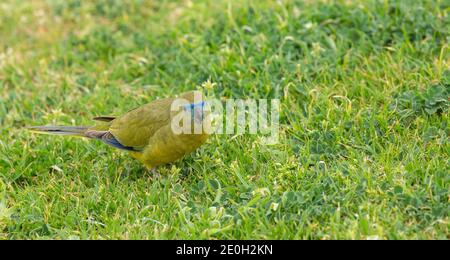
x=364 y=145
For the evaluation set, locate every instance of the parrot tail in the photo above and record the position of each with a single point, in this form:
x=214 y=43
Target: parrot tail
x=83 y=131
x=60 y=130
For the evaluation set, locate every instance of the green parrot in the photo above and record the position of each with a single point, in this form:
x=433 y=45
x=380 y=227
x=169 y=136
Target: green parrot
x=147 y=132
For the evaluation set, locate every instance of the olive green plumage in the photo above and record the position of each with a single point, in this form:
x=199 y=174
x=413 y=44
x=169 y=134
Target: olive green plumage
x=145 y=132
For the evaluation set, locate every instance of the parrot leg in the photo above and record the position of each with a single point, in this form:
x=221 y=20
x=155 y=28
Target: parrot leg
x=152 y=170
x=155 y=173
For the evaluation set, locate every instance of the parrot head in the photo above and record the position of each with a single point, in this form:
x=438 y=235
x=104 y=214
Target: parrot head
x=191 y=114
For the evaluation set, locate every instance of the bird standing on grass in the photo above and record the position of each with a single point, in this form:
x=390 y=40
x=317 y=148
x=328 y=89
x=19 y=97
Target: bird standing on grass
x=147 y=132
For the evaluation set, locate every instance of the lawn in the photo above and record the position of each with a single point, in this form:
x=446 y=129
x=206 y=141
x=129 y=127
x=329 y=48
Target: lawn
x=364 y=126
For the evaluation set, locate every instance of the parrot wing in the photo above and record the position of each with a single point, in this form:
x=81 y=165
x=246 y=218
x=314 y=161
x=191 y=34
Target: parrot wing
x=135 y=128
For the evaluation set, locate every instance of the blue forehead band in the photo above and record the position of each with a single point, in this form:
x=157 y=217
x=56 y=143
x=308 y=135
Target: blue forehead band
x=194 y=105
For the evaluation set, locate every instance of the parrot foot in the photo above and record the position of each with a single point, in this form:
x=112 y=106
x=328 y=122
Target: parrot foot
x=155 y=173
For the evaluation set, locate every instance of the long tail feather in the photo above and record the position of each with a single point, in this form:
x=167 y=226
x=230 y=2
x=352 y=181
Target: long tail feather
x=60 y=130
x=82 y=131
